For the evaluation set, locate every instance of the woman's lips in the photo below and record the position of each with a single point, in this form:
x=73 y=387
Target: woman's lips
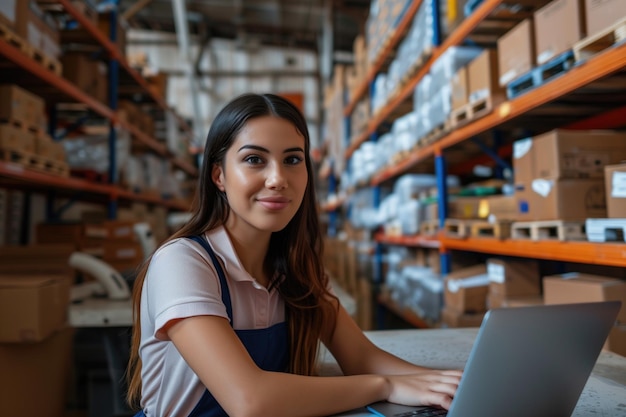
x=274 y=203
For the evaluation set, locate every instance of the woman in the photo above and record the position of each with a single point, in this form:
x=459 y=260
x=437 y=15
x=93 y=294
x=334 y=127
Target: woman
x=230 y=311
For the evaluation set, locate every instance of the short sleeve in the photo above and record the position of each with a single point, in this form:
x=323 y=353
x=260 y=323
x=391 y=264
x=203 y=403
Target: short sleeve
x=181 y=282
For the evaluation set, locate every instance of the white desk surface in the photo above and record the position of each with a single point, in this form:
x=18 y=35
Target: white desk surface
x=603 y=396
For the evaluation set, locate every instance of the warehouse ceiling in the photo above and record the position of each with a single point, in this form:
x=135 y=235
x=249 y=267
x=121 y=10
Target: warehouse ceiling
x=293 y=23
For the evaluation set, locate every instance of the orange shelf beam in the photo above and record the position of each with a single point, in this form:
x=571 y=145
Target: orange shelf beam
x=66 y=87
x=600 y=66
x=611 y=254
x=22 y=173
x=455 y=38
x=113 y=50
x=118 y=55
x=385 y=52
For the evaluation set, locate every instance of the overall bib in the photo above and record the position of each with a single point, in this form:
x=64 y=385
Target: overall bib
x=267 y=347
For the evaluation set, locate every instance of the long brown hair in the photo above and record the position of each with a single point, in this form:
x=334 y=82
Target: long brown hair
x=295 y=252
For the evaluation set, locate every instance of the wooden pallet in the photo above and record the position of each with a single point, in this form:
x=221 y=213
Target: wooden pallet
x=434 y=135
x=602 y=40
x=471 y=111
x=35 y=162
x=560 y=230
x=429 y=227
x=606 y=230
x=498 y=230
x=540 y=75
x=48 y=62
x=459 y=228
x=20 y=124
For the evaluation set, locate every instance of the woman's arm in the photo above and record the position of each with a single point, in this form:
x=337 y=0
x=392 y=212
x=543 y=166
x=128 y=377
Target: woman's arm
x=215 y=353
x=410 y=384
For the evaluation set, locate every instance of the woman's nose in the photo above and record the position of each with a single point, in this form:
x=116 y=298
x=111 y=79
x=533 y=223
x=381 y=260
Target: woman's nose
x=276 y=178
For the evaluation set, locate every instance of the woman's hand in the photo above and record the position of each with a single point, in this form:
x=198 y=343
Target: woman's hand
x=429 y=387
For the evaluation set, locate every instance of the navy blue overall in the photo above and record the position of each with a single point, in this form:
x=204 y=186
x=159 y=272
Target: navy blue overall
x=267 y=347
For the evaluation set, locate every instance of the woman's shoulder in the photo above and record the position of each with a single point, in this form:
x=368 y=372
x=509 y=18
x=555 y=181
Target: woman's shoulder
x=177 y=247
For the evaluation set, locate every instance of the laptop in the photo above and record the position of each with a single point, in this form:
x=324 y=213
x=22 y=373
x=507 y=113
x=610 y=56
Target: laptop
x=526 y=361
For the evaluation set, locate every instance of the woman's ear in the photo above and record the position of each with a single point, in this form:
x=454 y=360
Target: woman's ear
x=217 y=176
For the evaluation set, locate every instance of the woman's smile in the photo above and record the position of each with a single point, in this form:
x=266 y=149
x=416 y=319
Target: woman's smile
x=274 y=203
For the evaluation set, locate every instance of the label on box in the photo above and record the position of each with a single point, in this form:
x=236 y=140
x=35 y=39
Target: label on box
x=542 y=187
x=522 y=147
x=508 y=76
x=479 y=94
x=618 y=185
x=545 y=56
x=454 y=285
x=584 y=163
x=495 y=273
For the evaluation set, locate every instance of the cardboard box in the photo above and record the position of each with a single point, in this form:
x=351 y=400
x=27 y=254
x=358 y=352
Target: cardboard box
x=120 y=230
x=19 y=105
x=574 y=200
x=575 y=287
x=87 y=73
x=516 y=52
x=459 y=88
x=577 y=154
x=558 y=26
x=71 y=233
x=466 y=290
x=498 y=208
x=35 y=376
x=483 y=78
x=14 y=138
x=615 y=187
x=523 y=161
x=37 y=305
x=616 y=342
x=524 y=301
x=600 y=14
x=513 y=277
x=453 y=318
x=37 y=259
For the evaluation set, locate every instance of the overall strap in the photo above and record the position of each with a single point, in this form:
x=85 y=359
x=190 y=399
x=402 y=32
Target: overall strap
x=220 y=273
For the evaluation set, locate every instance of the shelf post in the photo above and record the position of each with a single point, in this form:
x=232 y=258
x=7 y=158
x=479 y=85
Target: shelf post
x=113 y=91
x=442 y=207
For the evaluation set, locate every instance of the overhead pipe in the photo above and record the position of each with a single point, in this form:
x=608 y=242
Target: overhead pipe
x=182 y=34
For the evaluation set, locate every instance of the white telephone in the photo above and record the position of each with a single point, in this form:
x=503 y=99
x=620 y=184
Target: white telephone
x=102 y=303
x=109 y=282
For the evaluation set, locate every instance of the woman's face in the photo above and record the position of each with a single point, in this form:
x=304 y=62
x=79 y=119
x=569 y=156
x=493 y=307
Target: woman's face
x=264 y=175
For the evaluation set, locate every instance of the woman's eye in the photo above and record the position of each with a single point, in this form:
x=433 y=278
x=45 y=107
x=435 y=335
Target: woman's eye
x=253 y=160
x=293 y=160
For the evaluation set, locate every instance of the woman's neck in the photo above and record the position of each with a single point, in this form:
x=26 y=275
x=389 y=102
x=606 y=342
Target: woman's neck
x=251 y=248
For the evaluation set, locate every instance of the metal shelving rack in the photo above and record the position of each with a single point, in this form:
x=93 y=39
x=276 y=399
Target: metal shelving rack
x=35 y=77
x=593 y=71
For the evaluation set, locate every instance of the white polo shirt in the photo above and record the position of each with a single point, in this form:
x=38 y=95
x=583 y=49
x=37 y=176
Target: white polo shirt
x=182 y=282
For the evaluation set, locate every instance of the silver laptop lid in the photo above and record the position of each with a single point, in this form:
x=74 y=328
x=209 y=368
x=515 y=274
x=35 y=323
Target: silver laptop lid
x=533 y=361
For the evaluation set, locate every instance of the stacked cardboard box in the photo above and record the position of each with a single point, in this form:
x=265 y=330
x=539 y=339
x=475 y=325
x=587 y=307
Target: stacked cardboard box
x=559 y=175
x=511 y=278
x=465 y=296
x=581 y=288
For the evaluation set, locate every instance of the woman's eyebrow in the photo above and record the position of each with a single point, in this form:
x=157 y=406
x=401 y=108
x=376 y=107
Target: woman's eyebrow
x=297 y=149
x=255 y=147
x=262 y=149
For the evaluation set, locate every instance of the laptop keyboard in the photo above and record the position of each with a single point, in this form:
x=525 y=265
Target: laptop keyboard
x=425 y=412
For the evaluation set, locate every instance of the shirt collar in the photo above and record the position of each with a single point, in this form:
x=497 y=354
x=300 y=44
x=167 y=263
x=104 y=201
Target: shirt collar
x=223 y=248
